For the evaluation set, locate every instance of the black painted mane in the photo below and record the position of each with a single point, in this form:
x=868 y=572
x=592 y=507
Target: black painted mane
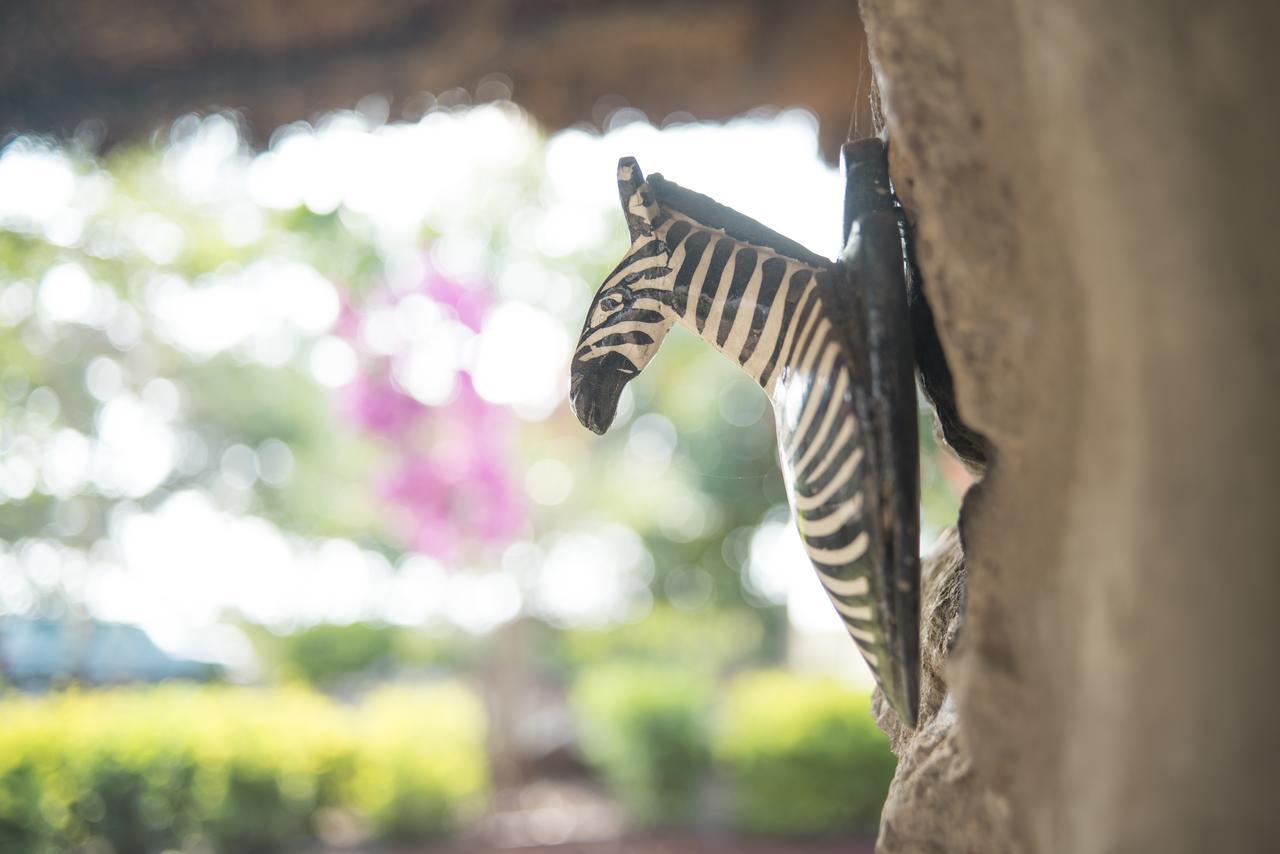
x=708 y=212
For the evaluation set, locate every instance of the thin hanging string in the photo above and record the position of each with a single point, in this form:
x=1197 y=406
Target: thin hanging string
x=857 y=94
x=877 y=109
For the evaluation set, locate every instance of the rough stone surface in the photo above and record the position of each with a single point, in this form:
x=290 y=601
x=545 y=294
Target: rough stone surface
x=1095 y=190
x=941 y=603
x=936 y=802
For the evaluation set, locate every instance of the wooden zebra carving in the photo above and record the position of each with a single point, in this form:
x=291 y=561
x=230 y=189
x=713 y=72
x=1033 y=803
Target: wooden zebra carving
x=829 y=342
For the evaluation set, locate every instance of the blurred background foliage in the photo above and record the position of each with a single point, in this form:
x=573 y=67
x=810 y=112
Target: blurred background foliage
x=234 y=769
x=645 y=726
x=813 y=762
x=296 y=416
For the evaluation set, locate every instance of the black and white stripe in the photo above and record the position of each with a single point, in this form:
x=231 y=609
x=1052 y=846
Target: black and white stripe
x=767 y=304
x=767 y=312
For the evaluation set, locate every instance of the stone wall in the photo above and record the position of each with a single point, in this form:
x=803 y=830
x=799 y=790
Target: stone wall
x=1096 y=190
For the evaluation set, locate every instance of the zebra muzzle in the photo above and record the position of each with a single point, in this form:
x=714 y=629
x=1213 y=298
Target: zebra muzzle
x=595 y=387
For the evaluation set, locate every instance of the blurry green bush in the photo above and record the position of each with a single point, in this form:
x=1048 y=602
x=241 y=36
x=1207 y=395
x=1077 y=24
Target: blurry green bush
x=323 y=653
x=330 y=655
x=240 y=770
x=420 y=761
x=719 y=639
x=802 y=754
x=643 y=726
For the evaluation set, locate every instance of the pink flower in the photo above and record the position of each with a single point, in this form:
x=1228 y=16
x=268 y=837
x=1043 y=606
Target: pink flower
x=348 y=323
x=470 y=304
x=379 y=407
x=450 y=476
x=455 y=503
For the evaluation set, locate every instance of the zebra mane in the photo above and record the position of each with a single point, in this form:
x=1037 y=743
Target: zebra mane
x=708 y=212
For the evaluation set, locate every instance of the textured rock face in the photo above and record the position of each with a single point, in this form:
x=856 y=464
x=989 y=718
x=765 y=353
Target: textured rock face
x=937 y=802
x=1095 y=190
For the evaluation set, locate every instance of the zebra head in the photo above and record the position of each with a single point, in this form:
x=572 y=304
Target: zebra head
x=630 y=314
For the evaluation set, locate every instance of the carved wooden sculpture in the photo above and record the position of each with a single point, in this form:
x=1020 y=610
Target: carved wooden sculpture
x=830 y=343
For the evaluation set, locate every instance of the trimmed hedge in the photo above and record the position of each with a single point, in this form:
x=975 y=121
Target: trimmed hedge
x=235 y=770
x=803 y=755
x=644 y=727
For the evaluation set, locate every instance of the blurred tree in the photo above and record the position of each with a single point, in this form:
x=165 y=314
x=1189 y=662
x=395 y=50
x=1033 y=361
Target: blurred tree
x=342 y=338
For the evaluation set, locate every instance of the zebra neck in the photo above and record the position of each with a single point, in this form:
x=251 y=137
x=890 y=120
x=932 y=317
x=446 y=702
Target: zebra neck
x=756 y=306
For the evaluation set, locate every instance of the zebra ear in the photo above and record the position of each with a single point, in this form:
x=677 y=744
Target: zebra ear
x=637 y=198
